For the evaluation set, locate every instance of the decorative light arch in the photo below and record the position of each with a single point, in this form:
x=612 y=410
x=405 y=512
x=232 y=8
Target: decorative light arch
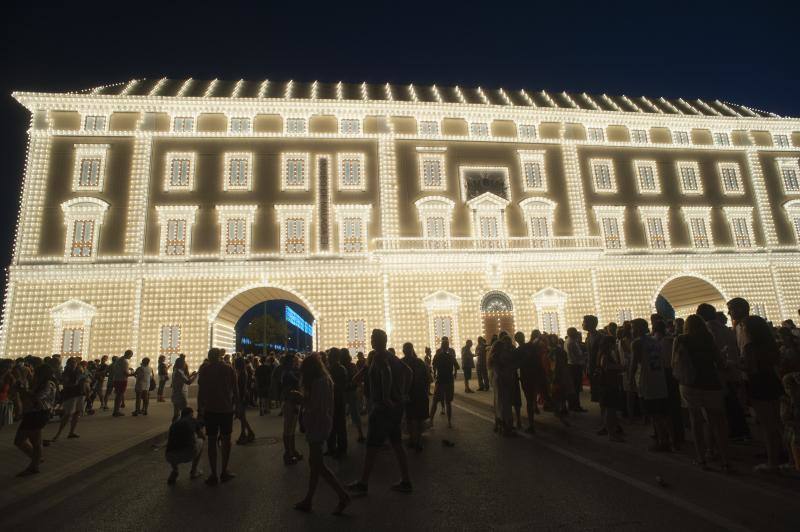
x=496 y=301
x=695 y=275
x=221 y=327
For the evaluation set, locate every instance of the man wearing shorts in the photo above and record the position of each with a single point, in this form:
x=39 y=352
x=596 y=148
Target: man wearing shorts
x=389 y=381
x=120 y=373
x=217 y=394
x=445 y=367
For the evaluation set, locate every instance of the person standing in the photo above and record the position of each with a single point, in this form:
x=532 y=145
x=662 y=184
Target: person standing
x=612 y=398
x=316 y=394
x=181 y=379
x=576 y=362
x=652 y=384
x=37 y=405
x=120 y=373
x=290 y=409
x=696 y=361
x=242 y=380
x=481 y=367
x=72 y=399
x=467 y=364
x=352 y=393
x=387 y=381
x=760 y=357
x=417 y=406
x=445 y=367
x=144 y=381
x=217 y=396
x=530 y=366
x=163 y=377
x=263 y=376
x=337 y=440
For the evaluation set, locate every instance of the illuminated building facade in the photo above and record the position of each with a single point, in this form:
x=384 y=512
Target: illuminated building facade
x=154 y=213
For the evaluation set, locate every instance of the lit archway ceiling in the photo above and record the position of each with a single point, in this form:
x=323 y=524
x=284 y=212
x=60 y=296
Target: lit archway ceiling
x=236 y=307
x=688 y=292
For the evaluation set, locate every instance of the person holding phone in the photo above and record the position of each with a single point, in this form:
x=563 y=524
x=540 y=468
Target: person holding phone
x=181 y=379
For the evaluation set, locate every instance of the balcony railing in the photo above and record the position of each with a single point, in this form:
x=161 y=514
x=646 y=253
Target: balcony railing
x=489 y=244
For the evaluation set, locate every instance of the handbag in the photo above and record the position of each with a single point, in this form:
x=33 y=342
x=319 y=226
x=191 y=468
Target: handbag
x=152 y=382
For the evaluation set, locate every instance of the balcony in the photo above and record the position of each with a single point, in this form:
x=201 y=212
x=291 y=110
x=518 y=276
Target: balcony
x=461 y=244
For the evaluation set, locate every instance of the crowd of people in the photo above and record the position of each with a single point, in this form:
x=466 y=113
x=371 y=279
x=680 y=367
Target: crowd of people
x=698 y=373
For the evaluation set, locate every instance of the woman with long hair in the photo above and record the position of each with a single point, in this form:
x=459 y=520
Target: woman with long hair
x=37 y=404
x=181 y=379
x=696 y=361
x=417 y=407
x=316 y=396
x=242 y=380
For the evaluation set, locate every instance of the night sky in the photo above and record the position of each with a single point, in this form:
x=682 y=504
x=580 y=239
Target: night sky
x=747 y=54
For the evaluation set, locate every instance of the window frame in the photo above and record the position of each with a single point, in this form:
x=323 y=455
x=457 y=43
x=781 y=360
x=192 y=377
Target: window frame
x=350 y=120
x=234 y=119
x=660 y=214
x=286 y=212
x=476 y=130
x=530 y=127
x=83 y=209
x=226 y=213
x=227 y=186
x=638 y=164
x=634 y=132
x=432 y=156
x=538 y=207
x=422 y=126
x=593 y=163
x=341 y=159
x=167 y=213
x=178 y=123
x=285 y=158
x=699 y=213
x=86 y=117
x=173 y=156
x=792 y=209
x=740 y=213
x=85 y=152
x=349 y=212
x=679 y=165
x=612 y=212
x=677 y=135
x=290 y=129
x=532 y=157
x=789 y=163
x=721 y=167
x=435 y=207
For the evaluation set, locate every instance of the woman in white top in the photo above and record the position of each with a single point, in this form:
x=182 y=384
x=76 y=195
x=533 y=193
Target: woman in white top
x=144 y=376
x=181 y=379
x=317 y=400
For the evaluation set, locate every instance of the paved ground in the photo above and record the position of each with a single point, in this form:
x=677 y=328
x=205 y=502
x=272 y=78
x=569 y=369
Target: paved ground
x=559 y=480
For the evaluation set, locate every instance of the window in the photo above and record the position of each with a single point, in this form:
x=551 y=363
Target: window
x=489 y=227
x=240 y=125
x=180 y=171
x=295 y=235
x=94 y=123
x=351 y=171
x=781 y=141
x=698 y=220
x=731 y=181
x=681 y=137
x=595 y=134
x=793 y=211
x=72 y=341
x=183 y=124
x=83 y=218
x=352 y=220
x=488 y=219
x=603 y=175
x=82 y=238
x=790 y=174
x=431 y=171
x=428 y=127
x=235 y=222
x=296 y=125
x=533 y=174
x=647 y=177
x=89 y=173
x=176 y=229
x=295 y=171
x=610 y=219
x=295 y=228
x=235 y=236
x=435 y=213
x=350 y=126
x=539 y=215
x=740 y=220
x=721 y=138
x=89 y=168
x=170 y=340
x=479 y=129
x=639 y=136
x=656 y=221
x=442 y=327
x=527 y=131
x=689 y=177
x=238 y=171
x=549 y=322
x=356 y=336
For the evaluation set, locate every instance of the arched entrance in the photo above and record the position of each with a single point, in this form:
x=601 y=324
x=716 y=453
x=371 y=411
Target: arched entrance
x=683 y=292
x=497 y=313
x=223 y=317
